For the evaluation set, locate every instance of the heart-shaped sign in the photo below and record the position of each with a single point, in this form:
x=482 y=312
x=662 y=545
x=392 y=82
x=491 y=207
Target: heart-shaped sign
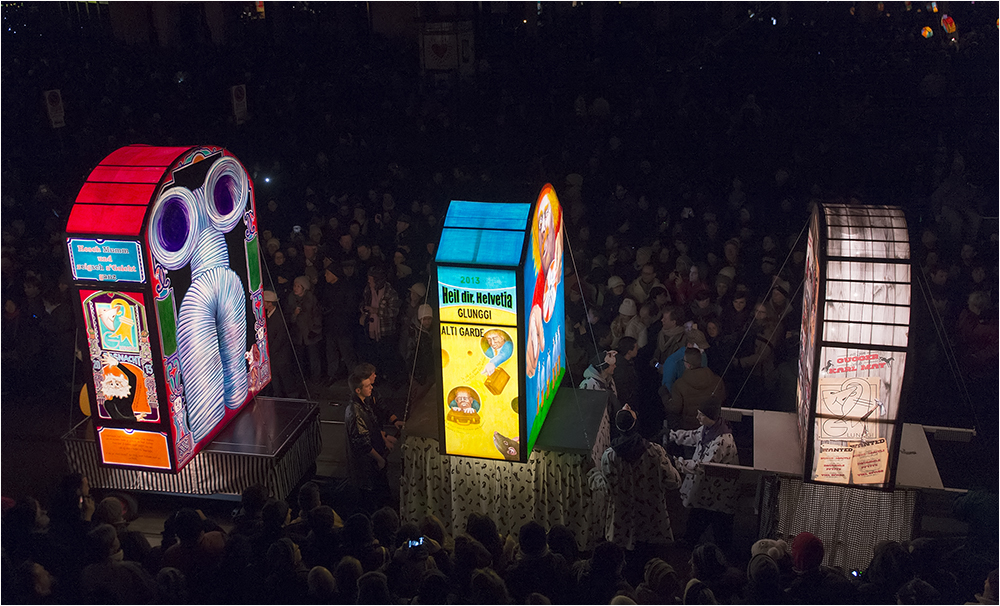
x=440 y=50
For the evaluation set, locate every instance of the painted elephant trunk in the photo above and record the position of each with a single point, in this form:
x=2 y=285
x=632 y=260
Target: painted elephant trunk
x=215 y=372
x=190 y=226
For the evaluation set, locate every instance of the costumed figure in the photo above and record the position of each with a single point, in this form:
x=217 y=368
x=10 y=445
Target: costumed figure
x=637 y=473
x=712 y=501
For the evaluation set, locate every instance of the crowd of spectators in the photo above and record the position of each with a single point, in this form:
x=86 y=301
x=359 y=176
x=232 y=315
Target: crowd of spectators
x=687 y=172
x=80 y=551
x=685 y=190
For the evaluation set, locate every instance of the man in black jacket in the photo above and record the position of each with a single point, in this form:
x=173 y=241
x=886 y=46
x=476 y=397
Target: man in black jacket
x=368 y=446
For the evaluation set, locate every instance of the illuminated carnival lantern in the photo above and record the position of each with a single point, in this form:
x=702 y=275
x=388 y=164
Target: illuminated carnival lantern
x=854 y=346
x=934 y=7
x=948 y=24
x=163 y=250
x=499 y=271
x=927 y=32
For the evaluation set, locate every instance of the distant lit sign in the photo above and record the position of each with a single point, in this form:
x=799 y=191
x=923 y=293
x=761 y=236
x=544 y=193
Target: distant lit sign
x=105 y=260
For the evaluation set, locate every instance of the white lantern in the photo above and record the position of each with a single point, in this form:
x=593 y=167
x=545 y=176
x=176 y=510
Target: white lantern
x=855 y=331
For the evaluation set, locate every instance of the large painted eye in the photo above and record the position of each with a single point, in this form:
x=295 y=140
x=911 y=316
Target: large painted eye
x=172 y=230
x=226 y=189
x=173 y=227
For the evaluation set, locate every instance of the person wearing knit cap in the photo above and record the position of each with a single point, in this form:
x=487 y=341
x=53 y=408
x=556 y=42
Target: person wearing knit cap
x=712 y=501
x=599 y=375
x=614 y=295
x=776 y=550
x=764 y=582
x=779 y=302
x=696 y=592
x=626 y=311
x=815 y=583
x=638 y=473
x=807 y=552
x=135 y=546
x=416 y=296
x=105 y=542
x=660 y=584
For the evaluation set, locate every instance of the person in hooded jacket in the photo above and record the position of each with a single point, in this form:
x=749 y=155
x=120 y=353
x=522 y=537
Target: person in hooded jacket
x=599 y=376
x=638 y=474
